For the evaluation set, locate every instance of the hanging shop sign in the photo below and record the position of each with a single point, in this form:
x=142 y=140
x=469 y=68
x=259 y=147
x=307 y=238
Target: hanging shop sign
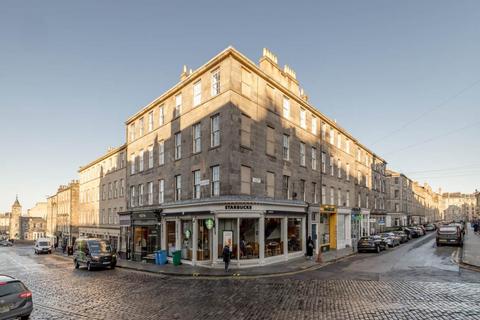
x=209 y=223
x=188 y=233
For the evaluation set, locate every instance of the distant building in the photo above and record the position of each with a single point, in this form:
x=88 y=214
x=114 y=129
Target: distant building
x=38 y=211
x=15 y=223
x=62 y=214
x=4 y=224
x=459 y=206
x=33 y=228
x=102 y=196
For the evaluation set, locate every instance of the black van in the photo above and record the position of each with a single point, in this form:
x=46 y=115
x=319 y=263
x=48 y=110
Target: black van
x=93 y=253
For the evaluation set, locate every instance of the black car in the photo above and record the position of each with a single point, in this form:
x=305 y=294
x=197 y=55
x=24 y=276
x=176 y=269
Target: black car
x=94 y=253
x=403 y=236
x=15 y=299
x=412 y=232
x=371 y=243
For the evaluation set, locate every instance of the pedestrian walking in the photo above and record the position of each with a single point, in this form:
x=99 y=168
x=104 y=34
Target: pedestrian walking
x=310 y=247
x=226 y=256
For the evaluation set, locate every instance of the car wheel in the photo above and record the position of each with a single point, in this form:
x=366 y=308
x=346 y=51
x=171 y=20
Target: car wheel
x=378 y=249
x=89 y=267
x=439 y=244
x=25 y=317
x=75 y=263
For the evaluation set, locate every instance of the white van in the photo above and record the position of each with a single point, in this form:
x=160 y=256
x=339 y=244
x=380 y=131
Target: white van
x=43 y=245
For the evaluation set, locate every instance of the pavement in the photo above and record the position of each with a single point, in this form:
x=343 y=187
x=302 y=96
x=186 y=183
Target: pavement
x=416 y=280
x=471 y=249
x=277 y=269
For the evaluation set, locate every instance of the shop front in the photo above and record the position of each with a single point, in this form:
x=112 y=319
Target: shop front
x=359 y=224
x=327 y=228
x=344 y=229
x=144 y=234
x=256 y=233
x=377 y=222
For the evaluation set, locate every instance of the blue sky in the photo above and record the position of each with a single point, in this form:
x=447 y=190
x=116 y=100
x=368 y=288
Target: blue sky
x=72 y=73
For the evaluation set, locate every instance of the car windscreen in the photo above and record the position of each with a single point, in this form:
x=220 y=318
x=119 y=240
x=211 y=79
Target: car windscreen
x=9 y=288
x=43 y=244
x=365 y=238
x=99 y=247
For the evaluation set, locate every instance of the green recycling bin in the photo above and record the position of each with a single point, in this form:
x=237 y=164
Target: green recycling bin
x=177 y=256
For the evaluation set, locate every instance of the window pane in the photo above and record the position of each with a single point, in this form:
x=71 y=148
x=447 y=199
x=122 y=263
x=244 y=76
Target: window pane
x=294 y=231
x=273 y=237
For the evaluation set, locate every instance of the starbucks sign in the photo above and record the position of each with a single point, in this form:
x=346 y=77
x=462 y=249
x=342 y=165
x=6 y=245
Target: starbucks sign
x=209 y=223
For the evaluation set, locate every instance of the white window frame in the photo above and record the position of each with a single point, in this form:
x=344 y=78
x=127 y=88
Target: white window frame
x=161 y=191
x=178 y=145
x=215 y=86
x=150 y=121
x=197 y=93
x=314 y=158
x=332 y=136
x=142 y=126
x=332 y=169
x=178 y=105
x=132 y=163
x=196 y=184
x=302 y=154
x=141 y=160
x=178 y=187
x=150 y=156
x=161 y=152
x=286 y=147
x=150 y=193
x=347 y=172
x=161 y=115
x=303 y=118
x=140 y=194
x=286 y=107
x=314 y=125
x=197 y=138
x=215 y=184
x=339 y=197
x=215 y=131
x=339 y=168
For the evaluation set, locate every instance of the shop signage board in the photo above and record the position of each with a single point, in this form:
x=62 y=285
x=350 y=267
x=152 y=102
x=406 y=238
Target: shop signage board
x=238 y=207
x=326 y=208
x=256 y=180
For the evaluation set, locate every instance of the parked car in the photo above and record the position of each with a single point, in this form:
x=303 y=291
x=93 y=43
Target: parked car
x=383 y=242
x=392 y=239
x=371 y=243
x=94 y=253
x=419 y=230
x=430 y=227
x=409 y=232
x=450 y=234
x=15 y=299
x=403 y=236
x=461 y=225
x=43 y=245
x=5 y=243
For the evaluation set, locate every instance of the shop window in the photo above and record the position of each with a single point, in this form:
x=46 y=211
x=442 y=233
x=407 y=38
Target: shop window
x=170 y=237
x=145 y=241
x=204 y=240
x=273 y=237
x=186 y=239
x=227 y=235
x=249 y=239
x=294 y=232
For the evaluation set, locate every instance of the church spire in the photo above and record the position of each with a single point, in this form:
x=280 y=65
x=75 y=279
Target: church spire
x=16 y=203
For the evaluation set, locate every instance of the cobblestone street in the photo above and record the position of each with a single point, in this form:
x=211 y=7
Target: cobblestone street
x=340 y=291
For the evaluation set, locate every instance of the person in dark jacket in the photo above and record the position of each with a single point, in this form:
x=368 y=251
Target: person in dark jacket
x=226 y=256
x=310 y=247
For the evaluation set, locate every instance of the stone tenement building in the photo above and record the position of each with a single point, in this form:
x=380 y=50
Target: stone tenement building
x=102 y=195
x=234 y=154
x=459 y=206
x=409 y=202
x=62 y=214
x=38 y=211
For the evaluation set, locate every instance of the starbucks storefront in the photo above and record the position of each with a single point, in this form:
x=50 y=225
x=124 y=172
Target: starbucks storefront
x=257 y=233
